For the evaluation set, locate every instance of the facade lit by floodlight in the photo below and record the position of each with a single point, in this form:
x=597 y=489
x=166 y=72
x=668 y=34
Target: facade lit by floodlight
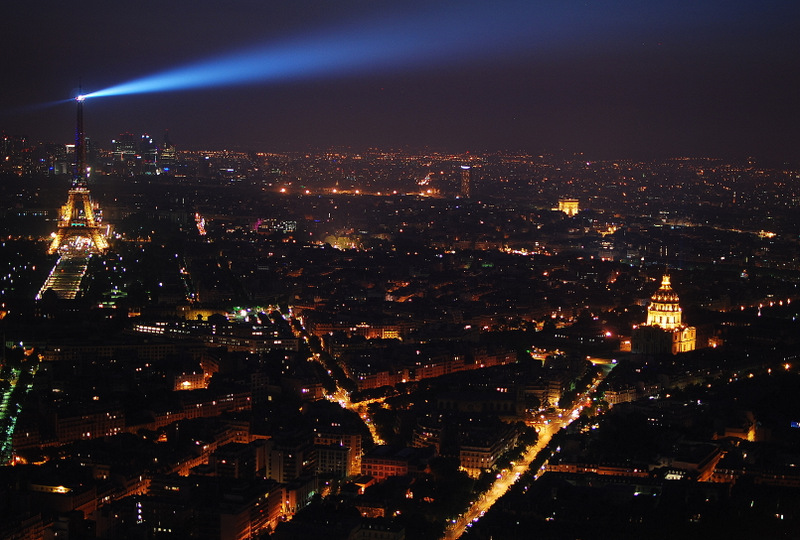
x=571 y=207
x=664 y=332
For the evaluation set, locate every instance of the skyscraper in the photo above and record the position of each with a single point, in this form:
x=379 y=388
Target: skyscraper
x=124 y=147
x=148 y=152
x=167 y=156
x=466 y=181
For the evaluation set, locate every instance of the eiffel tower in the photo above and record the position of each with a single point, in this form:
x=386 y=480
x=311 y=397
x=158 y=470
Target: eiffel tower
x=78 y=227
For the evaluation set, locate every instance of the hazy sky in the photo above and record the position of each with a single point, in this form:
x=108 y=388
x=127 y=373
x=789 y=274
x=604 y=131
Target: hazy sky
x=610 y=78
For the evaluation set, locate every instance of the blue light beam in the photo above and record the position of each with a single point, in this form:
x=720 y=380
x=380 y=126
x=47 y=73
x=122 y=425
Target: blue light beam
x=448 y=33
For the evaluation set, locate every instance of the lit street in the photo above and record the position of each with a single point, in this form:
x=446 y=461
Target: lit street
x=505 y=481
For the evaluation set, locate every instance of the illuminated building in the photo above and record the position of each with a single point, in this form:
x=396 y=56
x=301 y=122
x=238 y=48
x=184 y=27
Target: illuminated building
x=483 y=444
x=271 y=225
x=71 y=495
x=289 y=456
x=167 y=156
x=664 y=331
x=569 y=206
x=664 y=309
x=338 y=451
x=428 y=432
x=190 y=381
x=124 y=147
x=384 y=461
x=234 y=460
x=466 y=181
x=148 y=152
x=333 y=460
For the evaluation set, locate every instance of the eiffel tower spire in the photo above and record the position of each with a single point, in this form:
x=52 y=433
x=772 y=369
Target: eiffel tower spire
x=79 y=171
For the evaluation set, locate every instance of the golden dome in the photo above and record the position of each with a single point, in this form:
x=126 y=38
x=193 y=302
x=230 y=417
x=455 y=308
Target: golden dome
x=665 y=294
x=664 y=309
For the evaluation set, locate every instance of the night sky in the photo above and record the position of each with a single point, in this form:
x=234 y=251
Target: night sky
x=612 y=79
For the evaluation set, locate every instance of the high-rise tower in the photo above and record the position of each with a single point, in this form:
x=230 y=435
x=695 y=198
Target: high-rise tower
x=78 y=226
x=466 y=181
x=167 y=156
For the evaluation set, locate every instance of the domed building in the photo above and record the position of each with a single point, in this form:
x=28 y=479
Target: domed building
x=664 y=332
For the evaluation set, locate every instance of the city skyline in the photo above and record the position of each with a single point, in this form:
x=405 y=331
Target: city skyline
x=425 y=270
x=612 y=81
x=396 y=342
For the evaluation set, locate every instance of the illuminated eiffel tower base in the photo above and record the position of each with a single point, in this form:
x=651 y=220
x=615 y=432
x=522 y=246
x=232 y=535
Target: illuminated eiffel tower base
x=78 y=228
